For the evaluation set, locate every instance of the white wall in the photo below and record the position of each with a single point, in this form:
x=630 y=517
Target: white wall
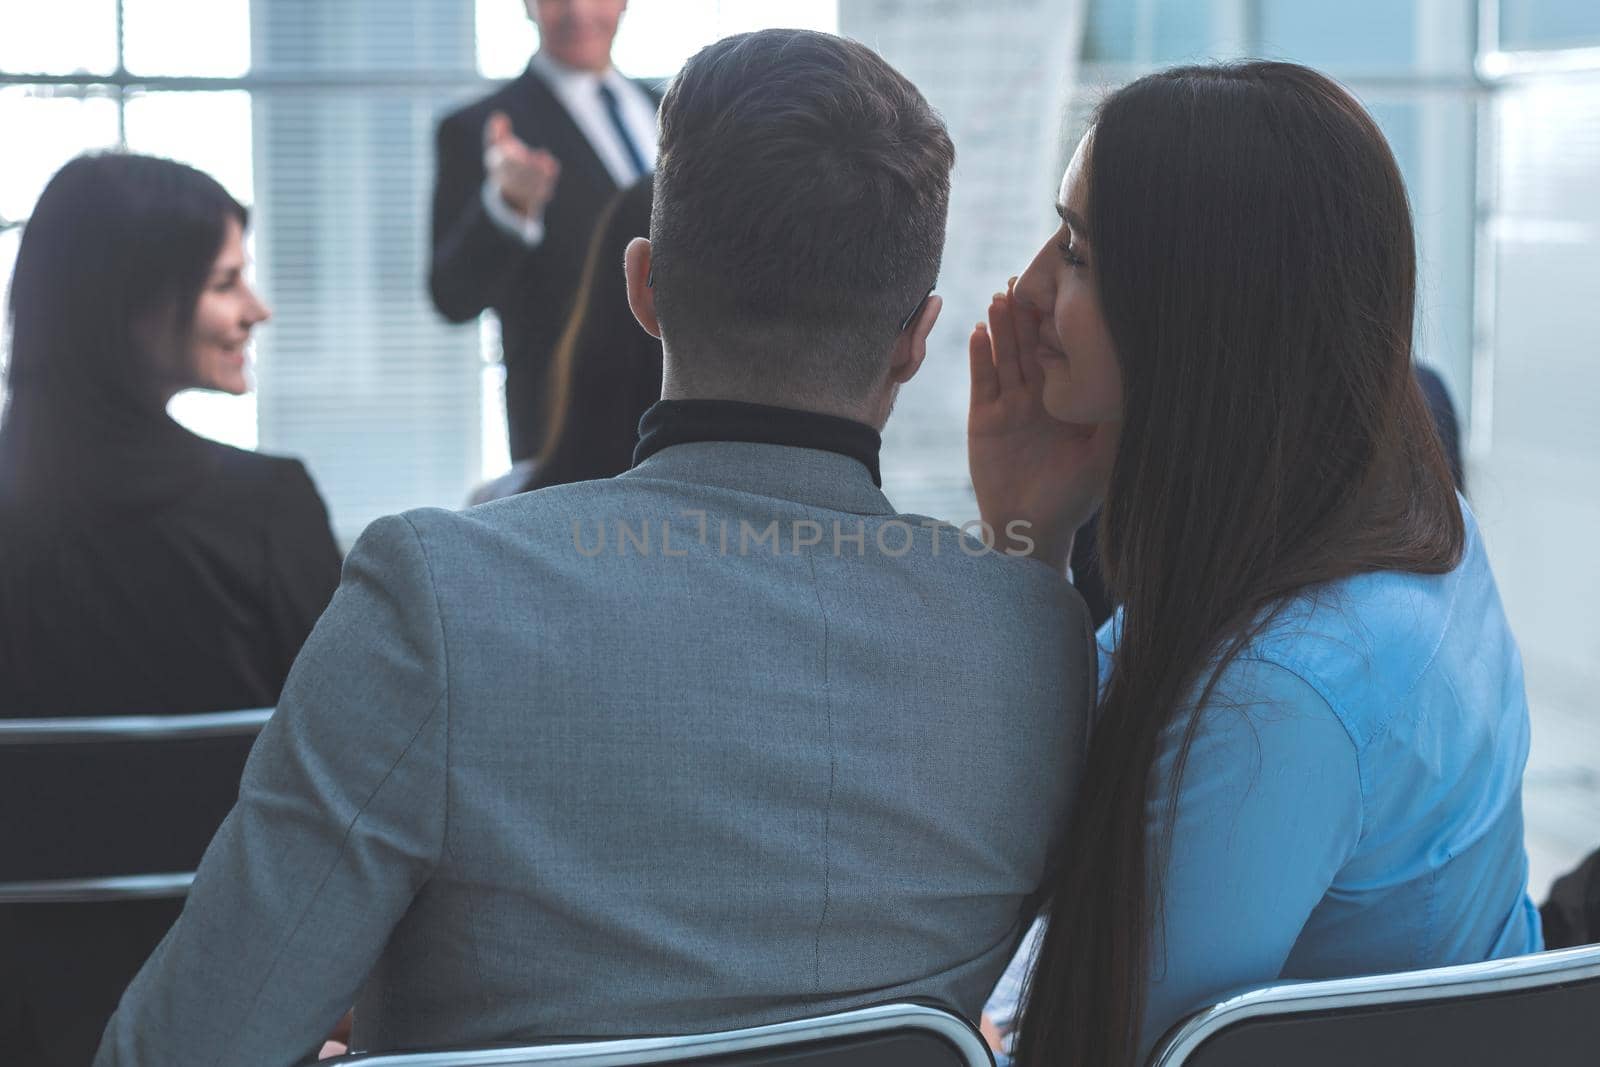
x=1534 y=468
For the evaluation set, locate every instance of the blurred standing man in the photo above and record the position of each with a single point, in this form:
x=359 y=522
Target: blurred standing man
x=523 y=176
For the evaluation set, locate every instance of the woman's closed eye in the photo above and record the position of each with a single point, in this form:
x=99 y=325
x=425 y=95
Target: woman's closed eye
x=1069 y=254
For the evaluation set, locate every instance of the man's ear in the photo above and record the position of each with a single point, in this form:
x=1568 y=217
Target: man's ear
x=911 y=348
x=641 y=297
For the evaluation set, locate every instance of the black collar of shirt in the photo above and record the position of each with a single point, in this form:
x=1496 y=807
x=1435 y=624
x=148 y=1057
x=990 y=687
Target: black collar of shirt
x=680 y=422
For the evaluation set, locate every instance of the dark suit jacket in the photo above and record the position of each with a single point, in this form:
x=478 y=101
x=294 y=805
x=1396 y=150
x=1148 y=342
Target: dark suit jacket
x=476 y=265
x=177 y=594
x=194 y=604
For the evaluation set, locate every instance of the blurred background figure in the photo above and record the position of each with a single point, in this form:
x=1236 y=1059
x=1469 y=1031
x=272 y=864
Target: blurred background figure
x=189 y=572
x=523 y=175
x=143 y=569
x=606 y=370
x=1572 y=914
x=1445 y=422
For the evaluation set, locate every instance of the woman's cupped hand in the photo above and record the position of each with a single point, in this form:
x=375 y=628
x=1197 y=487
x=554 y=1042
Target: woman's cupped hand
x=1027 y=466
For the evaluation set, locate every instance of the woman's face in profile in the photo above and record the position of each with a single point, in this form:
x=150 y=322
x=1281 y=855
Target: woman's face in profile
x=1082 y=380
x=228 y=309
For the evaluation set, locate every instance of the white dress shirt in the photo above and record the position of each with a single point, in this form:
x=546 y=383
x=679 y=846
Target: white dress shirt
x=579 y=92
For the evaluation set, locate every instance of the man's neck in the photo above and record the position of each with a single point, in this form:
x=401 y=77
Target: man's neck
x=672 y=389
x=558 y=67
x=680 y=422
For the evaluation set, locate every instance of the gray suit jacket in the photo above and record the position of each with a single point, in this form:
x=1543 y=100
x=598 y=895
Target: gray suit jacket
x=524 y=783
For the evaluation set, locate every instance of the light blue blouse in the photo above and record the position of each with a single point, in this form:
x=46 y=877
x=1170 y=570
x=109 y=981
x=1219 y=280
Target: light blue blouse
x=1352 y=803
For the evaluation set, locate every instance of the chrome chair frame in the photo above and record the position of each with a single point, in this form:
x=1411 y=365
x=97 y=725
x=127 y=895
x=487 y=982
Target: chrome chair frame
x=1511 y=975
x=637 y=1051
x=118 y=728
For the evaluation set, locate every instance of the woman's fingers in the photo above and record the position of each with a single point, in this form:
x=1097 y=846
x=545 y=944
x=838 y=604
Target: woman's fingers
x=980 y=353
x=1002 y=351
x=1025 y=325
x=1003 y=334
x=1027 y=322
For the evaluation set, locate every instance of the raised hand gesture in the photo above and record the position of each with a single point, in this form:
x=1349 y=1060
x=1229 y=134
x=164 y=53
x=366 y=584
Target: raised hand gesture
x=525 y=177
x=1028 y=466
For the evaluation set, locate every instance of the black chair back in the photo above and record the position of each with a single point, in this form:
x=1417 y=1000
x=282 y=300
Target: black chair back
x=105 y=820
x=888 y=1035
x=1526 y=1010
x=115 y=808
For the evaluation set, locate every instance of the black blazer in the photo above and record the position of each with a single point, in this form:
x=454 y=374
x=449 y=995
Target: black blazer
x=476 y=265
x=157 y=606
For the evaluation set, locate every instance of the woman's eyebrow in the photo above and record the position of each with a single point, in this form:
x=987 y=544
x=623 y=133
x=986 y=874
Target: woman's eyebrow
x=1073 y=219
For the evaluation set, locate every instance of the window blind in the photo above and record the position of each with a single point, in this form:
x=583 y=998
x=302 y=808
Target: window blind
x=357 y=374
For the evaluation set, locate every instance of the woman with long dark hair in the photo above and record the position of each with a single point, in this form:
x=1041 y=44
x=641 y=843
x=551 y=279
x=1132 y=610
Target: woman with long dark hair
x=187 y=571
x=143 y=570
x=1308 y=755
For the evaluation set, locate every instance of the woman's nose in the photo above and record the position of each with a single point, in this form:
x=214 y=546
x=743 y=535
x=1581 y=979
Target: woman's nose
x=1032 y=288
x=258 y=311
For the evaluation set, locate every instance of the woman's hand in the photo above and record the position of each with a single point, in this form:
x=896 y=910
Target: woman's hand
x=337 y=1043
x=993 y=1036
x=1028 y=466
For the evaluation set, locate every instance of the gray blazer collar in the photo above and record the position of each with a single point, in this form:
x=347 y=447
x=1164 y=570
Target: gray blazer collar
x=803 y=475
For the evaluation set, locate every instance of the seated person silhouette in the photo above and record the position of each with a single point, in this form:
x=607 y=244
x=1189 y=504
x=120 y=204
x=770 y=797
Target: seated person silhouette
x=143 y=570
x=606 y=371
x=607 y=367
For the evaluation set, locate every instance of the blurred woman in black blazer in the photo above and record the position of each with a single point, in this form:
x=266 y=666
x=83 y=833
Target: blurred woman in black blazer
x=143 y=569
x=605 y=371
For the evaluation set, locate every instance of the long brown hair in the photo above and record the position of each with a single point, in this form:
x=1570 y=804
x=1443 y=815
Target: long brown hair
x=1255 y=260
x=606 y=371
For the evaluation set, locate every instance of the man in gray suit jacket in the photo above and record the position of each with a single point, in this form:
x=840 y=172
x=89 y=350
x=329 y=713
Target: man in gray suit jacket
x=718 y=742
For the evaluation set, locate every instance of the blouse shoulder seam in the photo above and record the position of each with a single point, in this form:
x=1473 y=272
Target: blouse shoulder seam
x=1358 y=750
x=1323 y=692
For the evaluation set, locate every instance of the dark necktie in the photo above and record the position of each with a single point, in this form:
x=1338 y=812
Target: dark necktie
x=609 y=99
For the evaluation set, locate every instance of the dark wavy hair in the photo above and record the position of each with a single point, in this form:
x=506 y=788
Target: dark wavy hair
x=1253 y=248
x=116 y=251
